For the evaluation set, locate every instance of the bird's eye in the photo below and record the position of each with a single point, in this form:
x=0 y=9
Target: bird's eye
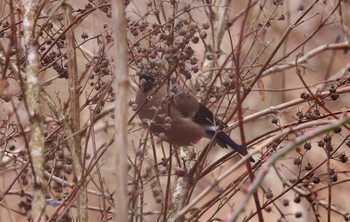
x=174 y=89
x=143 y=82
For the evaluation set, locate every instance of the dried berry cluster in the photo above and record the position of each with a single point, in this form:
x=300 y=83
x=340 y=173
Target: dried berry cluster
x=162 y=49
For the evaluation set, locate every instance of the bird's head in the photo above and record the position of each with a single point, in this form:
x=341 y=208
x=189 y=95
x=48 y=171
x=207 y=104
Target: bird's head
x=146 y=82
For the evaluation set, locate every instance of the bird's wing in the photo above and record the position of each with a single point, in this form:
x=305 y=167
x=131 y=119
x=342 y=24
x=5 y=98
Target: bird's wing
x=184 y=101
x=187 y=104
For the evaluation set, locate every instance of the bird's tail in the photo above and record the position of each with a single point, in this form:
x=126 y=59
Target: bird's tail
x=224 y=140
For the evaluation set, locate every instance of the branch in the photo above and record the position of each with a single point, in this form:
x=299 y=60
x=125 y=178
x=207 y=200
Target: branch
x=334 y=46
x=32 y=101
x=121 y=87
x=75 y=148
x=278 y=155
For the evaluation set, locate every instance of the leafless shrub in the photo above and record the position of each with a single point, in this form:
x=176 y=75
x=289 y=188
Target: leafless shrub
x=277 y=72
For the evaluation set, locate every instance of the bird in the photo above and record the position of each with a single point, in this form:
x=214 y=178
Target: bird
x=174 y=114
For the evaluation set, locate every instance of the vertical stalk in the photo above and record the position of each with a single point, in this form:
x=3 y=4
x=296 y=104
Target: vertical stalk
x=32 y=89
x=74 y=106
x=121 y=86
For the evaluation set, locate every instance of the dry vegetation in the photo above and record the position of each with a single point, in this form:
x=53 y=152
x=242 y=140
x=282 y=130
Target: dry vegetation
x=277 y=72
